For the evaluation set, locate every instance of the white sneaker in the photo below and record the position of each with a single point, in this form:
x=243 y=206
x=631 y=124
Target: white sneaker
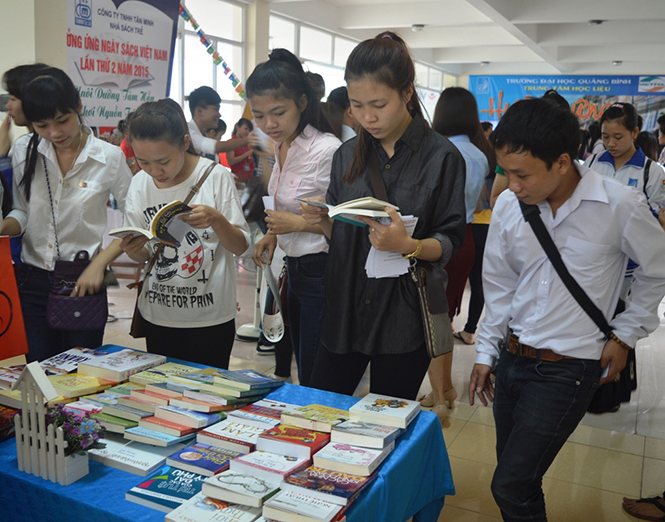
x=288 y=379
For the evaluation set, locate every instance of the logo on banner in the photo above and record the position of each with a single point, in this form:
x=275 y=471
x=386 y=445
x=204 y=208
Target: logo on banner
x=651 y=84
x=483 y=85
x=83 y=13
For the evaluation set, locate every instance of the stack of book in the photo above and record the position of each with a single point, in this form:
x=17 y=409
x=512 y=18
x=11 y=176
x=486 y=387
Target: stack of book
x=202 y=459
x=200 y=508
x=166 y=489
x=240 y=488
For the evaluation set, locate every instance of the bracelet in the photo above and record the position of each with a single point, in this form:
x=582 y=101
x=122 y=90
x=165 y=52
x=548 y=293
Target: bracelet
x=416 y=252
x=620 y=342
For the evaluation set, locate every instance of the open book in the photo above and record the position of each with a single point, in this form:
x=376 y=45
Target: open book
x=347 y=211
x=165 y=226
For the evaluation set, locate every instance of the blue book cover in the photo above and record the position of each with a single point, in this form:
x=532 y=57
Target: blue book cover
x=247 y=380
x=155 y=437
x=166 y=489
x=202 y=459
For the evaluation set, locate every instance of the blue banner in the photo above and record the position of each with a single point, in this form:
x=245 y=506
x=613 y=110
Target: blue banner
x=588 y=95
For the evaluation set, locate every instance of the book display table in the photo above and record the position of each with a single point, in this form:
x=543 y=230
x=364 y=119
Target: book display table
x=412 y=482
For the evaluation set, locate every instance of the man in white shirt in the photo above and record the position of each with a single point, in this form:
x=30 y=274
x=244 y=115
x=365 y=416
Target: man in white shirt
x=204 y=105
x=550 y=365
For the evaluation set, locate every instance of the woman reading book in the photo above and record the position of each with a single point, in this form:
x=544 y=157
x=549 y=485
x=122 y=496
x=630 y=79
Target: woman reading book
x=285 y=107
x=189 y=298
x=63 y=177
x=378 y=320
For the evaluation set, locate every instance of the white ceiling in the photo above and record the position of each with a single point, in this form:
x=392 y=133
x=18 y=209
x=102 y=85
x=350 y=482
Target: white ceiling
x=514 y=36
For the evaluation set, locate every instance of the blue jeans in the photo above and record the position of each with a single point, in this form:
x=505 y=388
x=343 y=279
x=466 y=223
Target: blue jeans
x=306 y=301
x=537 y=405
x=34 y=286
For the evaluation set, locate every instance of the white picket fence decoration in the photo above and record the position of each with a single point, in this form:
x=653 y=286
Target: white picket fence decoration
x=40 y=449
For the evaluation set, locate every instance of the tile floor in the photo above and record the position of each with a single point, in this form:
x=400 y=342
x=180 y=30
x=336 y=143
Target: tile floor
x=607 y=457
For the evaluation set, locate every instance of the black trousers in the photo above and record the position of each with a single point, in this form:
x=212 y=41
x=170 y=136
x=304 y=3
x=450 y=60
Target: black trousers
x=397 y=375
x=477 y=300
x=210 y=345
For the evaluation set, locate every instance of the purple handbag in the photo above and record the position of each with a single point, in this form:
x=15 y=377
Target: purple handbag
x=64 y=312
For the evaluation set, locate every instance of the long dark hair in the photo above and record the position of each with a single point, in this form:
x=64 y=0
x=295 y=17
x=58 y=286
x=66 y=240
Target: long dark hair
x=162 y=120
x=456 y=113
x=383 y=59
x=282 y=76
x=44 y=95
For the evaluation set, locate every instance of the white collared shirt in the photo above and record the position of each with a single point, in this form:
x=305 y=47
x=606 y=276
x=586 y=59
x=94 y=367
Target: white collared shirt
x=79 y=199
x=202 y=144
x=596 y=230
x=305 y=174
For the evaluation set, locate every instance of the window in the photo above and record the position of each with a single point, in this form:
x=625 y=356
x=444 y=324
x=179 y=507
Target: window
x=282 y=34
x=343 y=48
x=315 y=45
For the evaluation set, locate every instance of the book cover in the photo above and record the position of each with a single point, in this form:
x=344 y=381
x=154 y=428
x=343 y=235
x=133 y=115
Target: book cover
x=68 y=361
x=231 y=435
x=200 y=508
x=172 y=428
x=165 y=388
x=76 y=385
x=150 y=396
x=202 y=459
x=291 y=441
x=7 y=422
x=9 y=375
x=214 y=397
x=351 y=459
x=326 y=484
x=12 y=399
x=301 y=504
x=166 y=489
x=120 y=365
x=359 y=433
x=160 y=374
x=241 y=488
x=198 y=405
x=275 y=405
x=139 y=404
x=385 y=410
x=257 y=416
x=125 y=389
x=269 y=466
x=187 y=417
x=247 y=380
x=113 y=423
x=83 y=407
x=156 y=438
x=315 y=417
x=102 y=398
x=126 y=412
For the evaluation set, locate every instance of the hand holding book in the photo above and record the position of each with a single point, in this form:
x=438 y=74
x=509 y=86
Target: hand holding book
x=391 y=237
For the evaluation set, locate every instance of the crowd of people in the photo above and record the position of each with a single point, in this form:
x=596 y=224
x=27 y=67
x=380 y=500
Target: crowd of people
x=540 y=357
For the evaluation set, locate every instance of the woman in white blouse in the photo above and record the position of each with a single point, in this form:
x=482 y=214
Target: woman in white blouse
x=285 y=107
x=61 y=171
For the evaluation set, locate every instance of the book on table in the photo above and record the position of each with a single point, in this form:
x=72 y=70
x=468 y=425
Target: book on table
x=158 y=399
x=12 y=399
x=200 y=508
x=156 y=438
x=247 y=380
x=202 y=459
x=171 y=428
x=82 y=408
x=113 y=423
x=169 y=389
x=230 y=435
x=347 y=211
x=385 y=410
x=102 y=398
x=193 y=419
x=292 y=442
x=199 y=405
x=289 y=506
x=120 y=365
x=131 y=456
x=240 y=488
x=125 y=389
x=76 y=385
x=7 y=427
x=351 y=459
x=161 y=373
x=165 y=226
x=268 y=466
x=9 y=375
x=166 y=489
x=359 y=433
x=216 y=398
x=68 y=361
x=314 y=417
x=125 y=412
x=139 y=404
x=258 y=415
x=325 y=484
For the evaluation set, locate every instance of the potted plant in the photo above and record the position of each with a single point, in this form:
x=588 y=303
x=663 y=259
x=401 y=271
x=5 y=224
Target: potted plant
x=80 y=433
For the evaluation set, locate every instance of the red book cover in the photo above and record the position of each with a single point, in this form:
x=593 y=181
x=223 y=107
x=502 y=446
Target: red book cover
x=282 y=435
x=150 y=396
x=172 y=428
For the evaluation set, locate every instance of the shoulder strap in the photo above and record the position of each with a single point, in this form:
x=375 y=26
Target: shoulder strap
x=194 y=190
x=593 y=158
x=375 y=177
x=647 y=168
x=531 y=215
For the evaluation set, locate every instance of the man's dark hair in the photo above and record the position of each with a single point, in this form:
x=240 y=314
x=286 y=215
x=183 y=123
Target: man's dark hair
x=553 y=96
x=340 y=98
x=540 y=127
x=14 y=79
x=202 y=97
x=661 y=121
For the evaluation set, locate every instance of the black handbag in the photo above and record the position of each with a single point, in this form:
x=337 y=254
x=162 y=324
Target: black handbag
x=610 y=395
